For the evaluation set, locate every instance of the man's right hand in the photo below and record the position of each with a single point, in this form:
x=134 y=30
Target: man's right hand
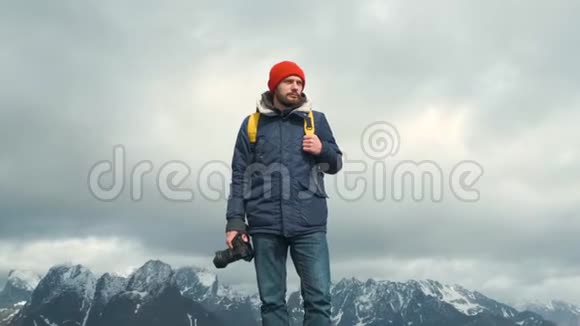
x=231 y=235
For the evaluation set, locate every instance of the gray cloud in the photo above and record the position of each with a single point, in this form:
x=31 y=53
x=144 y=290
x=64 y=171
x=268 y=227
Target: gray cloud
x=163 y=79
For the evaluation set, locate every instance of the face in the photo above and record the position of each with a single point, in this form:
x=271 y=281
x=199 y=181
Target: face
x=289 y=91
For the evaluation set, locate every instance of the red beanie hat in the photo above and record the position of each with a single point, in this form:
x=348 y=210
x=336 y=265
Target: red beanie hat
x=282 y=70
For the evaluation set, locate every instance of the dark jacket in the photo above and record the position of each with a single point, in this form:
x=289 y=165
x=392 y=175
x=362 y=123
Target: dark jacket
x=280 y=187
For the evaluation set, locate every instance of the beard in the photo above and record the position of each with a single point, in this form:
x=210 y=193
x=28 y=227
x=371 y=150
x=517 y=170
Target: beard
x=287 y=100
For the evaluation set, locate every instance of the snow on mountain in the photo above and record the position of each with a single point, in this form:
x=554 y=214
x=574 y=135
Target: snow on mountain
x=196 y=283
x=554 y=305
x=206 y=278
x=467 y=302
x=18 y=288
x=202 y=286
x=176 y=296
x=461 y=299
x=64 y=294
x=560 y=312
x=232 y=293
x=151 y=297
x=426 y=302
x=150 y=278
x=26 y=280
x=65 y=278
x=108 y=286
x=6 y=314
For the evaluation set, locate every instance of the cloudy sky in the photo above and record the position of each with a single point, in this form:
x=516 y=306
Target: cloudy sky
x=494 y=83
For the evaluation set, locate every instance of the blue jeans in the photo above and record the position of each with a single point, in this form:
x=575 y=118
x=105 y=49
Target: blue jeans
x=310 y=256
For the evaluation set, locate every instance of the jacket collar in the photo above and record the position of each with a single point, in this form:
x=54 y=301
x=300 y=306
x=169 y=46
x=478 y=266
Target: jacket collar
x=265 y=106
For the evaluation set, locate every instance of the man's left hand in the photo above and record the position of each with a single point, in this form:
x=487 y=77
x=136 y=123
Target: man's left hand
x=311 y=144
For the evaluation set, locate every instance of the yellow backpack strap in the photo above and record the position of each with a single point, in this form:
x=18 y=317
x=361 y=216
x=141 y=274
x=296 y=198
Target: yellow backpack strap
x=309 y=124
x=253 y=126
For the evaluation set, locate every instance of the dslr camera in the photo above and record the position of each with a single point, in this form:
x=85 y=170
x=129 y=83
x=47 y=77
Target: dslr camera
x=241 y=250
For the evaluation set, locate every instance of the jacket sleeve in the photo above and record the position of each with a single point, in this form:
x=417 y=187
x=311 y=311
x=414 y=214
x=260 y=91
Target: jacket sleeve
x=330 y=155
x=236 y=211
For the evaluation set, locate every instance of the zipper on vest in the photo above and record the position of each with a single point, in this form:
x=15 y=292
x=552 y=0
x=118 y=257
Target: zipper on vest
x=280 y=121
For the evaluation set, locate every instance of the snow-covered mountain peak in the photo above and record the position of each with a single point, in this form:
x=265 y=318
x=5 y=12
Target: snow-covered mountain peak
x=156 y=289
x=467 y=302
x=348 y=282
x=69 y=277
x=401 y=294
x=65 y=278
x=560 y=305
x=561 y=312
x=153 y=276
x=71 y=271
x=199 y=275
x=108 y=286
x=196 y=282
x=25 y=280
x=554 y=305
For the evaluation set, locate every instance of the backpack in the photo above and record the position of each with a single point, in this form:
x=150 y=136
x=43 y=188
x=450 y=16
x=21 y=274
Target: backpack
x=255 y=118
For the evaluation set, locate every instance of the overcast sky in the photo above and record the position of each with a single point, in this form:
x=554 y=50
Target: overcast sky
x=493 y=82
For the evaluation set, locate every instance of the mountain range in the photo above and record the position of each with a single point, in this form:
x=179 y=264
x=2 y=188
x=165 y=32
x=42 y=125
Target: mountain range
x=157 y=294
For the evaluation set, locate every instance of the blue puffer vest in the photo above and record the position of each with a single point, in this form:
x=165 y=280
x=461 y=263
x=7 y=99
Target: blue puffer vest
x=276 y=185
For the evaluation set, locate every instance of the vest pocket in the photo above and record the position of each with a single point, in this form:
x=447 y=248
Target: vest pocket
x=312 y=204
x=311 y=187
x=260 y=210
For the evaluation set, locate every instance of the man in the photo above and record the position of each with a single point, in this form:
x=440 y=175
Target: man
x=285 y=202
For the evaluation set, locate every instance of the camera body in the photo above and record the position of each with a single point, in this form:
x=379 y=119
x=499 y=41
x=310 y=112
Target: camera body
x=241 y=250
